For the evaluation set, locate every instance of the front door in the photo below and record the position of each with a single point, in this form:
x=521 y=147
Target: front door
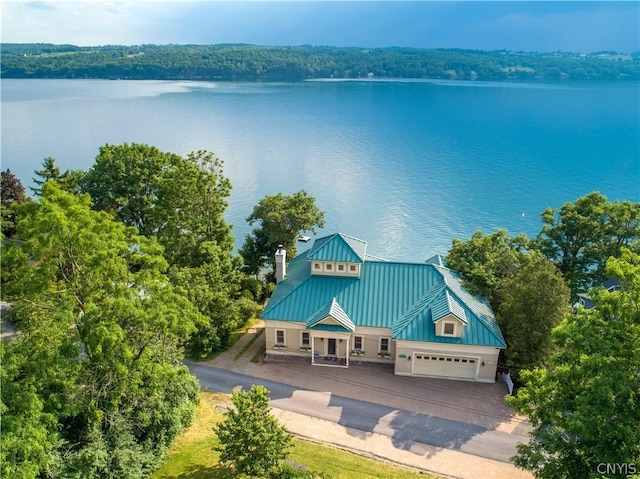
x=331 y=347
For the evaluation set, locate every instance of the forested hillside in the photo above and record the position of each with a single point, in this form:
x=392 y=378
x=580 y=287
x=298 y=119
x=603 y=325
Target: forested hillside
x=266 y=63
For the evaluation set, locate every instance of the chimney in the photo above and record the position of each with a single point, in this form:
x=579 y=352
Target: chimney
x=281 y=263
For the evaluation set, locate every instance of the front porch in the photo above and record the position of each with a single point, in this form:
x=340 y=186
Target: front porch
x=330 y=349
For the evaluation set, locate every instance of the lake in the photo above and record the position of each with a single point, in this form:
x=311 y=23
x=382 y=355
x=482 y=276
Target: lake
x=405 y=165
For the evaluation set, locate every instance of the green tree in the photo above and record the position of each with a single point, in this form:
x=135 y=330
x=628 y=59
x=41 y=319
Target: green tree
x=69 y=180
x=281 y=219
x=585 y=406
x=526 y=291
x=100 y=344
x=533 y=302
x=213 y=288
x=180 y=201
x=579 y=237
x=29 y=433
x=12 y=193
x=485 y=261
x=125 y=181
x=250 y=437
x=192 y=199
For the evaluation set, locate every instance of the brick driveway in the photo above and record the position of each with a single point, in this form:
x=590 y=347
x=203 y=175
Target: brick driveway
x=473 y=403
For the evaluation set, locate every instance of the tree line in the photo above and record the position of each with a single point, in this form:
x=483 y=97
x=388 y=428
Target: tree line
x=576 y=368
x=113 y=274
x=226 y=62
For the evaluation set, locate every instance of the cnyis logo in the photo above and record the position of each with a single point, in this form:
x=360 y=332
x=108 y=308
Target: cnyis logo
x=626 y=468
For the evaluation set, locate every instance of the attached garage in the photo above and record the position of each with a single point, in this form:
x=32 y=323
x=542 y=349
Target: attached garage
x=438 y=364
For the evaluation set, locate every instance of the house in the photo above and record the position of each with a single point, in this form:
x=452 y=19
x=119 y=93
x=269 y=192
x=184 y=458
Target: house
x=335 y=304
x=584 y=300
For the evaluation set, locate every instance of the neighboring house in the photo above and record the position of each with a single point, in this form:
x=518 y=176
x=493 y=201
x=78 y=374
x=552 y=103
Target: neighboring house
x=611 y=285
x=335 y=304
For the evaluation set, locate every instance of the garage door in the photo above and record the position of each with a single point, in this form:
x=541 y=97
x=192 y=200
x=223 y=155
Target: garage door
x=434 y=364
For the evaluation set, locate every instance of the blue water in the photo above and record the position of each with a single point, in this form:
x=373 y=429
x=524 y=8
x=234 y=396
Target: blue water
x=405 y=165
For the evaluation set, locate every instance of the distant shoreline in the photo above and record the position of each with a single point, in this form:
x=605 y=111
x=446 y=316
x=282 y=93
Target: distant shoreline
x=291 y=64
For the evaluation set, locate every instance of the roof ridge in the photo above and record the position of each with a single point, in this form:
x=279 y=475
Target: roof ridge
x=451 y=302
x=354 y=248
x=346 y=239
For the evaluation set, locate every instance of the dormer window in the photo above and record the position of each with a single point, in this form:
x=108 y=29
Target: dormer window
x=449 y=329
x=337 y=254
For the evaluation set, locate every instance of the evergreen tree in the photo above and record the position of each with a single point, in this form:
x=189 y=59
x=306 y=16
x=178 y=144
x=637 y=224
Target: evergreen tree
x=68 y=181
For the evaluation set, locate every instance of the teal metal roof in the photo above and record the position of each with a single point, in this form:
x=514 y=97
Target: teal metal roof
x=334 y=311
x=437 y=260
x=447 y=305
x=478 y=306
x=403 y=297
x=338 y=247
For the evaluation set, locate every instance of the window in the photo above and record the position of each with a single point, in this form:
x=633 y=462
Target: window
x=305 y=340
x=449 y=329
x=317 y=266
x=329 y=266
x=352 y=268
x=384 y=345
x=341 y=267
x=358 y=346
x=280 y=344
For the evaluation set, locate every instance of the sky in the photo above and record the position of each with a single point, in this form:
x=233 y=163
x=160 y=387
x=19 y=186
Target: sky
x=576 y=26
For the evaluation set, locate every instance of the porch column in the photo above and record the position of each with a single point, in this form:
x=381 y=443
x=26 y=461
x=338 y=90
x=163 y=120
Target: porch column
x=347 y=348
x=346 y=352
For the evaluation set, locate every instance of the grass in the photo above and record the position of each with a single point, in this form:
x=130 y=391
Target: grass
x=340 y=464
x=260 y=354
x=233 y=339
x=248 y=345
x=193 y=455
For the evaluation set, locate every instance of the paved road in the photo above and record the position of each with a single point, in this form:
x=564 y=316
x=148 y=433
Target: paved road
x=403 y=427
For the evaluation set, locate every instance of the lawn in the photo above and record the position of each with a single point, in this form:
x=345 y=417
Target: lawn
x=193 y=457
x=233 y=339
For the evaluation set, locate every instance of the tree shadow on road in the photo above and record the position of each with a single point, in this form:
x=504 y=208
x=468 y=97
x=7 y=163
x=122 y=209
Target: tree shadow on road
x=404 y=428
